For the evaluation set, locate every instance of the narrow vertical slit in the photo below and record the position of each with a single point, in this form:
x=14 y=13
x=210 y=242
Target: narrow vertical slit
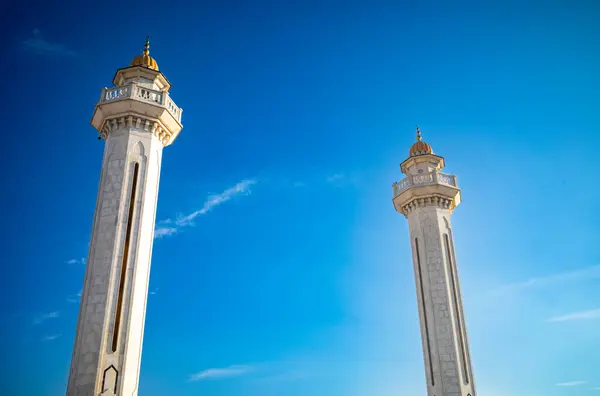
x=115 y=340
x=459 y=324
x=424 y=308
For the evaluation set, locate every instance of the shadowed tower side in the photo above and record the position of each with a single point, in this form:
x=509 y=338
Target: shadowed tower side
x=136 y=118
x=427 y=198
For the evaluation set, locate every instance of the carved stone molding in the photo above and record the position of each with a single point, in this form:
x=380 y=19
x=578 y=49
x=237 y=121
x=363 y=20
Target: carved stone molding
x=434 y=200
x=137 y=122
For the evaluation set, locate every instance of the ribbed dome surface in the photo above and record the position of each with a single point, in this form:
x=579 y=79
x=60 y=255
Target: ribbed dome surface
x=420 y=148
x=145 y=60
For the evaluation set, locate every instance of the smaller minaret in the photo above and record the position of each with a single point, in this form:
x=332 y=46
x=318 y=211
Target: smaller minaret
x=427 y=197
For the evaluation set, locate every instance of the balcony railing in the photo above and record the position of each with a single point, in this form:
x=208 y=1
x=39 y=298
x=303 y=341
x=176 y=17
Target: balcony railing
x=138 y=92
x=424 y=179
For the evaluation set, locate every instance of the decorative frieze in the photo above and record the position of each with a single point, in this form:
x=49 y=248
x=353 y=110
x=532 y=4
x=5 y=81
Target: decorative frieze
x=434 y=200
x=136 y=122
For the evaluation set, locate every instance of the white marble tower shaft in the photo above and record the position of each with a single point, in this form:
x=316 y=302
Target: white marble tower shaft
x=427 y=198
x=137 y=119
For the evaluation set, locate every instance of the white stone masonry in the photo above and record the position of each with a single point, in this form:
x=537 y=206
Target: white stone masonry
x=96 y=368
x=445 y=347
x=427 y=198
x=136 y=118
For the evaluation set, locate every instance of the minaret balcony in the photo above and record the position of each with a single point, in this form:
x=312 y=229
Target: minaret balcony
x=138 y=92
x=424 y=180
x=134 y=98
x=432 y=184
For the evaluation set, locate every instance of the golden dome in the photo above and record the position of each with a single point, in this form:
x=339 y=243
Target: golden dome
x=419 y=147
x=145 y=60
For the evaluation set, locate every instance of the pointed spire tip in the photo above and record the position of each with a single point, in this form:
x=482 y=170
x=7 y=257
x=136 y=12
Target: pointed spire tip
x=146 y=51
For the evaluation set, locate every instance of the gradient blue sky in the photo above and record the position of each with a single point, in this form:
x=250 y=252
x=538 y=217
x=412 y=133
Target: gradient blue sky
x=299 y=280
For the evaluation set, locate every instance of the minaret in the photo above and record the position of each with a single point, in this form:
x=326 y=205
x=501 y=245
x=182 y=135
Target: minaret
x=136 y=118
x=427 y=198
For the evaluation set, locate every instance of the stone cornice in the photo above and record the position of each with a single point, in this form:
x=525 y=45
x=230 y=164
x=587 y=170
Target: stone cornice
x=136 y=100
x=421 y=202
x=435 y=160
x=132 y=71
x=426 y=186
x=138 y=122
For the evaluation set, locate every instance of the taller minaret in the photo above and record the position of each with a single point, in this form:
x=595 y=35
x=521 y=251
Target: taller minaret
x=136 y=118
x=427 y=198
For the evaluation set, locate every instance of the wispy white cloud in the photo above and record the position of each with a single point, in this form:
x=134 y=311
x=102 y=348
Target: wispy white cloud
x=162 y=231
x=39 y=45
x=572 y=383
x=343 y=179
x=595 y=388
x=155 y=291
x=51 y=337
x=578 y=275
x=335 y=178
x=41 y=318
x=590 y=314
x=171 y=226
x=216 y=373
x=74 y=298
x=285 y=183
x=241 y=188
x=76 y=261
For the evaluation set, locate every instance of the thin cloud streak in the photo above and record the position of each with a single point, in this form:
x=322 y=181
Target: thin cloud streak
x=170 y=227
x=591 y=314
x=160 y=232
x=76 y=261
x=39 y=45
x=343 y=179
x=216 y=373
x=335 y=178
x=75 y=298
x=41 y=318
x=572 y=383
x=51 y=337
x=582 y=274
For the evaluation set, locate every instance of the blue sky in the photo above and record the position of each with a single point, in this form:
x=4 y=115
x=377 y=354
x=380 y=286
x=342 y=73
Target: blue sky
x=294 y=276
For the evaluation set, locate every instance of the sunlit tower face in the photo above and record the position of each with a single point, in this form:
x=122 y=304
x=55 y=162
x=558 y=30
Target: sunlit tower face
x=427 y=198
x=136 y=118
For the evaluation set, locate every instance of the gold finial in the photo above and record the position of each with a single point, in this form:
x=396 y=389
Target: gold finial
x=418 y=134
x=146 y=51
x=145 y=60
